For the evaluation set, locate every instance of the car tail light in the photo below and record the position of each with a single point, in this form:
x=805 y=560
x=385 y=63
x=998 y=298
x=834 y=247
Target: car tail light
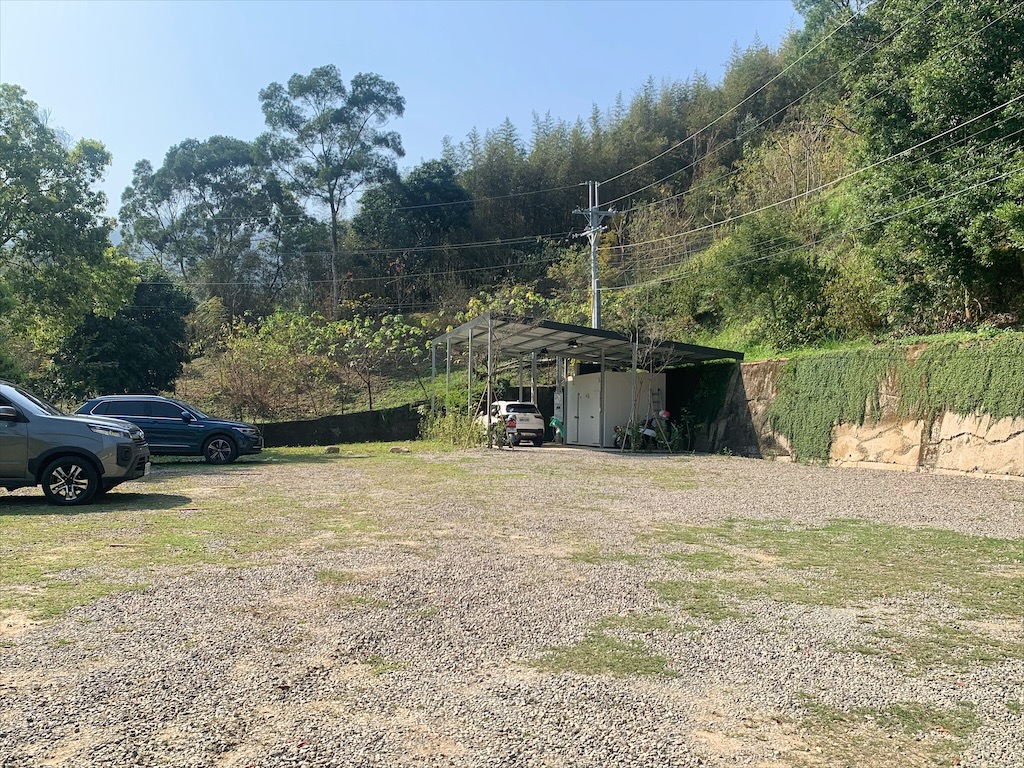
x=511 y=421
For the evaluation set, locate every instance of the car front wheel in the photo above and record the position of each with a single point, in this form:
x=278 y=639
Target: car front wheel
x=69 y=481
x=220 y=450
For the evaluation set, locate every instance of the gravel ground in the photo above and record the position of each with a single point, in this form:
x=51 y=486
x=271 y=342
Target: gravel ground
x=429 y=650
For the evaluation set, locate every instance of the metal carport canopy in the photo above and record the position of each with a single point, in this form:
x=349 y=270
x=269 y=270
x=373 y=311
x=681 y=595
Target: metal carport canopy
x=520 y=337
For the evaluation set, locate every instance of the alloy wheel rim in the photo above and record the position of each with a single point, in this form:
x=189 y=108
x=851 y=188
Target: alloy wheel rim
x=218 y=450
x=68 y=483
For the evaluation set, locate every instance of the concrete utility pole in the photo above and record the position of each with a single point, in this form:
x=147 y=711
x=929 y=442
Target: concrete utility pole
x=594 y=228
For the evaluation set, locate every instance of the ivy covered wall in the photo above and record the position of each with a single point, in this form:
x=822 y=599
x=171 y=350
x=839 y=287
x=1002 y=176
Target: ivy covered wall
x=962 y=375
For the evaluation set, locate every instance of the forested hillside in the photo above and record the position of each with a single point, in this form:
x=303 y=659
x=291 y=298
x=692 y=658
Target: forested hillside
x=863 y=181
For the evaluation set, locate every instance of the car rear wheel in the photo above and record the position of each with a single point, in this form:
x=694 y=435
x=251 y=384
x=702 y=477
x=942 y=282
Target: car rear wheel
x=538 y=442
x=69 y=481
x=220 y=450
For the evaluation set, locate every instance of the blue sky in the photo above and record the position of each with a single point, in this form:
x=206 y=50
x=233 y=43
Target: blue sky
x=143 y=76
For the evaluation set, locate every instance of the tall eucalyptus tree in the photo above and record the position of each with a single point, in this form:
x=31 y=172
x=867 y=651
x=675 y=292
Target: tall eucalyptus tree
x=329 y=140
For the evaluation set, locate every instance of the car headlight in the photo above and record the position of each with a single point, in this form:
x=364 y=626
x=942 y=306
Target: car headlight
x=106 y=429
x=247 y=431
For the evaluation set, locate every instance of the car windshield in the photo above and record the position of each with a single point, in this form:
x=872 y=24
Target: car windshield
x=33 y=404
x=523 y=408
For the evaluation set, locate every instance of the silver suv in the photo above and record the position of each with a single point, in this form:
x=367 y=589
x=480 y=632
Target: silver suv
x=73 y=458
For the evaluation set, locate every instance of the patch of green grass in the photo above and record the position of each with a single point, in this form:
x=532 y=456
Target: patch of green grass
x=915 y=718
x=595 y=556
x=848 y=562
x=706 y=560
x=675 y=478
x=51 y=598
x=600 y=654
x=186 y=515
x=336 y=577
x=615 y=646
x=1015 y=707
x=700 y=599
x=380 y=666
x=937 y=645
x=639 y=623
x=867 y=736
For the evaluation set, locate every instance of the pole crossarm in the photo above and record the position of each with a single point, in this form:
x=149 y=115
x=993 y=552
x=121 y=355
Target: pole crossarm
x=594 y=216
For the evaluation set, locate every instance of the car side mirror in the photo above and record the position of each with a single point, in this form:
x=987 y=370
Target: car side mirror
x=186 y=416
x=7 y=413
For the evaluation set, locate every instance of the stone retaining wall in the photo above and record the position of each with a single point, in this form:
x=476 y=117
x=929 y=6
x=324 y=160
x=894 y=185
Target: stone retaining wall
x=953 y=443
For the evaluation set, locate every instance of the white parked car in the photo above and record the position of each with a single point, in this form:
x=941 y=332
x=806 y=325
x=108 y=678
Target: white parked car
x=524 y=420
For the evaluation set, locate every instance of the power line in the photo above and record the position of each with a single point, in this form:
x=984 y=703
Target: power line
x=624 y=173
x=693 y=270
x=862 y=102
x=525 y=240
x=1009 y=151
x=485 y=199
x=633 y=246
x=775 y=114
x=733 y=108
x=377 y=278
x=834 y=181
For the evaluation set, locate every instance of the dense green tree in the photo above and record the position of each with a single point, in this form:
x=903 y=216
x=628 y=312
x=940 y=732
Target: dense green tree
x=140 y=349
x=411 y=225
x=329 y=140
x=940 y=117
x=215 y=215
x=8 y=368
x=55 y=258
x=758 y=278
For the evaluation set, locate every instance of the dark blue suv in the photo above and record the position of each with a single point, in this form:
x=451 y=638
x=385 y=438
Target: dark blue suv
x=174 y=428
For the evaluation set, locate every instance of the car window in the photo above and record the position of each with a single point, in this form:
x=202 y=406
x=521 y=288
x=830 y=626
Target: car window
x=126 y=408
x=165 y=410
x=99 y=409
x=523 y=408
x=186 y=407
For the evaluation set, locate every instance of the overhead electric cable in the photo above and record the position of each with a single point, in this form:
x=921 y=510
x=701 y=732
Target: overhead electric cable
x=835 y=181
x=736 y=106
x=485 y=199
x=863 y=101
x=625 y=248
x=842 y=233
x=772 y=116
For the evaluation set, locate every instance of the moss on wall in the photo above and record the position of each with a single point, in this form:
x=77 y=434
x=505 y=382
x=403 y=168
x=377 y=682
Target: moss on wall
x=966 y=376
x=962 y=375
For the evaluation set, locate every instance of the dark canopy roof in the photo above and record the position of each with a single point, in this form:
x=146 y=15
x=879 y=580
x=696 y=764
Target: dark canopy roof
x=519 y=337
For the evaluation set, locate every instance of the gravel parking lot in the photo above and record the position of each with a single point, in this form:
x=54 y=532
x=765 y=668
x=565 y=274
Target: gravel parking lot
x=536 y=607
